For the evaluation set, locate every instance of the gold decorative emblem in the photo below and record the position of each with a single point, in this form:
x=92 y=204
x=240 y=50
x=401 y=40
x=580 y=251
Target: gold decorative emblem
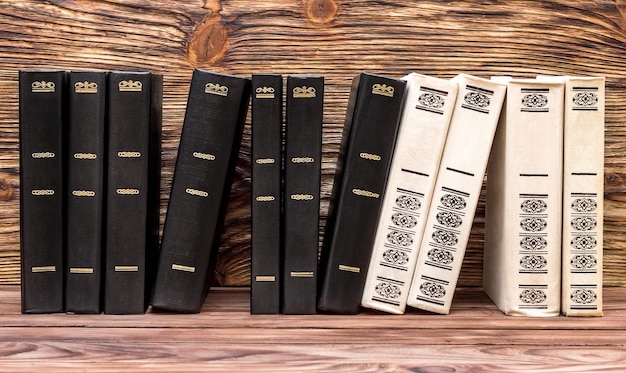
x=383 y=90
x=302 y=160
x=304 y=92
x=85 y=156
x=128 y=154
x=38 y=155
x=205 y=156
x=265 y=92
x=265 y=161
x=196 y=192
x=127 y=191
x=42 y=192
x=365 y=193
x=130 y=86
x=371 y=157
x=43 y=86
x=302 y=197
x=265 y=198
x=86 y=87
x=83 y=193
x=216 y=89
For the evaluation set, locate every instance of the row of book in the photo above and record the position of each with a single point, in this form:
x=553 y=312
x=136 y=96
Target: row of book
x=412 y=163
x=89 y=190
x=411 y=166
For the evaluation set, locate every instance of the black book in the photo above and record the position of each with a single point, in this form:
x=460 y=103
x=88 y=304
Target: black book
x=41 y=112
x=368 y=140
x=133 y=183
x=85 y=191
x=303 y=153
x=209 y=144
x=266 y=201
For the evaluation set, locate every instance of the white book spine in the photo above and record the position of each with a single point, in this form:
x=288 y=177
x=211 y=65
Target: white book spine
x=522 y=258
x=423 y=129
x=455 y=196
x=583 y=196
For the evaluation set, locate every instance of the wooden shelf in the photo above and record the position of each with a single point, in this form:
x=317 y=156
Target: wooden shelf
x=475 y=336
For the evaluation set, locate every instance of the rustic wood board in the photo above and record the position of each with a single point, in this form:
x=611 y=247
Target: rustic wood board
x=475 y=336
x=334 y=38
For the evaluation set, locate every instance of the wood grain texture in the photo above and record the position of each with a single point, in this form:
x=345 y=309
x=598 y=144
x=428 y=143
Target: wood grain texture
x=334 y=38
x=474 y=337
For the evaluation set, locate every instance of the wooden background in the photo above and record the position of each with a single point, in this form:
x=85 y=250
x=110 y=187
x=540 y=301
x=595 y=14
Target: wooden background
x=333 y=38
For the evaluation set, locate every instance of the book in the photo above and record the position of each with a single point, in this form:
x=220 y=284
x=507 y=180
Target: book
x=266 y=201
x=42 y=127
x=85 y=191
x=523 y=226
x=423 y=129
x=456 y=194
x=209 y=145
x=370 y=128
x=133 y=189
x=303 y=159
x=583 y=195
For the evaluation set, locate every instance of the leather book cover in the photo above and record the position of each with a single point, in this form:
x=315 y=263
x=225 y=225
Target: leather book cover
x=372 y=122
x=208 y=150
x=133 y=183
x=42 y=126
x=85 y=191
x=303 y=152
x=266 y=201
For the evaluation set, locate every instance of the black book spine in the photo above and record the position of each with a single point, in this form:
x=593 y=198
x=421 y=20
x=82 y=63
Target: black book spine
x=266 y=202
x=133 y=179
x=303 y=153
x=209 y=144
x=367 y=146
x=41 y=115
x=85 y=191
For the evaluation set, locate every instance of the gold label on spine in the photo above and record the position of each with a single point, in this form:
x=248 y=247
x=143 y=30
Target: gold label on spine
x=205 y=156
x=130 y=86
x=302 y=160
x=216 y=89
x=180 y=267
x=301 y=274
x=86 y=271
x=86 y=87
x=196 y=192
x=265 y=161
x=304 y=92
x=85 y=156
x=43 y=155
x=265 y=92
x=127 y=191
x=370 y=157
x=349 y=268
x=383 y=90
x=365 y=193
x=43 y=269
x=302 y=197
x=126 y=268
x=43 y=87
x=265 y=278
x=83 y=193
x=265 y=198
x=128 y=154
x=42 y=192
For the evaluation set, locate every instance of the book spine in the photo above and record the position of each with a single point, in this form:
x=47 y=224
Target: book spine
x=42 y=122
x=583 y=196
x=423 y=129
x=522 y=259
x=266 y=203
x=457 y=189
x=85 y=191
x=209 y=144
x=303 y=157
x=365 y=156
x=133 y=107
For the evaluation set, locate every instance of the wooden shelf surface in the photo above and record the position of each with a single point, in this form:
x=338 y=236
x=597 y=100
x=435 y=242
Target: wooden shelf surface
x=475 y=336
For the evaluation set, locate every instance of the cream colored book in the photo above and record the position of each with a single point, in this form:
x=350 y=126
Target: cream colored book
x=419 y=145
x=583 y=195
x=522 y=258
x=455 y=196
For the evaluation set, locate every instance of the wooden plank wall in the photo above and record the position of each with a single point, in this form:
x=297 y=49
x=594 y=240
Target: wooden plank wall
x=334 y=38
